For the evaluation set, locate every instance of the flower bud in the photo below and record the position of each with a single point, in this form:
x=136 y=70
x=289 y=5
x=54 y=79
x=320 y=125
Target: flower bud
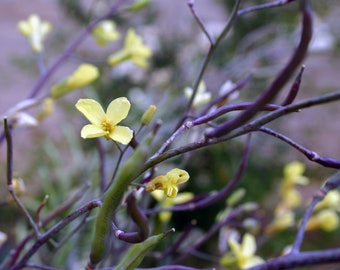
x=148 y=115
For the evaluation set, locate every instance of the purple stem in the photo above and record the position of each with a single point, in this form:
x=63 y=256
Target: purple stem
x=311 y=155
x=55 y=229
x=139 y=218
x=274 y=88
x=294 y=89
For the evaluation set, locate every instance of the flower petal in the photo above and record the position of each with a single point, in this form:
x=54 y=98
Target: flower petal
x=92 y=131
x=92 y=110
x=171 y=191
x=118 y=109
x=121 y=134
x=248 y=245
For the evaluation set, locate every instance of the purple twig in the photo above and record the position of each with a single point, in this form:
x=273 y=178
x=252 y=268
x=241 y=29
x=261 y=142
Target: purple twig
x=53 y=230
x=311 y=155
x=281 y=79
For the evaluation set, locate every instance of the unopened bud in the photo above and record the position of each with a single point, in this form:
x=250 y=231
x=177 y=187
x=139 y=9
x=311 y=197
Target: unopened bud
x=236 y=197
x=148 y=115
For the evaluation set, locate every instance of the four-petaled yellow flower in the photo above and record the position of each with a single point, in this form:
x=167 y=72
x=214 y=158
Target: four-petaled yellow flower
x=133 y=50
x=168 y=183
x=105 y=32
x=244 y=253
x=82 y=76
x=105 y=124
x=36 y=31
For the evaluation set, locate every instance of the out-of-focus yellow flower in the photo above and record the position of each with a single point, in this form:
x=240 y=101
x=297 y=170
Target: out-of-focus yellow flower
x=82 y=76
x=105 y=124
x=47 y=108
x=35 y=30
x=168 y=183
x=133 y=50
x=332 y=200
x=326 y=220
x=18 y=187
x=243 y=255
x=105 y=32
x=159 y=195
x=281 y=222
x=292 y=175
x=202 y=96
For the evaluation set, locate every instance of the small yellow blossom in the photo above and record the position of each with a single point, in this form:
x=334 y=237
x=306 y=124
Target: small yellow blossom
x=202 y=96
x=332 y=200
x=281 y=222
x=82 y=76
x=243 y=255
x=105 y=124
x=47 y=108
x=18 y=187
x=133 y=50
x=292 y=175
x=36 y=31
x=168 y=183
x=105 y=32
x=165 y=202
x=326 y=220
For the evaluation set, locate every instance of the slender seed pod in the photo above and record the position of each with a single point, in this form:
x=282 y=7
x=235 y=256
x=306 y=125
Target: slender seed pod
x=128 y=172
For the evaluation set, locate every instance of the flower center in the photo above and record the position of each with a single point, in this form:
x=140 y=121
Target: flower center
x=108 y=127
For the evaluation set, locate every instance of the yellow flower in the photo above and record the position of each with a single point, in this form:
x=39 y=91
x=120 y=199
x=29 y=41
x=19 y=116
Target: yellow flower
x=105 y=32
x=326 y=220
x=293 y=175
x=202 y=96
x=283 y=220
x=36 y=31
x=105 y=124
x=82 y=76
x=134 y=50
x=332 y=200
x=244 y=252
x=168 y=183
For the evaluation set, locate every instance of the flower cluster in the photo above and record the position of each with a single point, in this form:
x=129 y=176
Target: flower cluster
x=290 y=197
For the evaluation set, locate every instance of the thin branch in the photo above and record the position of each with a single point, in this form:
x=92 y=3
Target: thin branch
x=311 y=155
x=191 y=4
x=55 y=229
x=281 y=79
x=10 y=186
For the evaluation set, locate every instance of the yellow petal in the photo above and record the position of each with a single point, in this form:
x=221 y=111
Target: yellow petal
x=117 y=110
x=82 y=76
x=121 y=134
x=92 y=131
x=171 y=191
x=92 y=110
x=177 y=176
x=248 y=245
